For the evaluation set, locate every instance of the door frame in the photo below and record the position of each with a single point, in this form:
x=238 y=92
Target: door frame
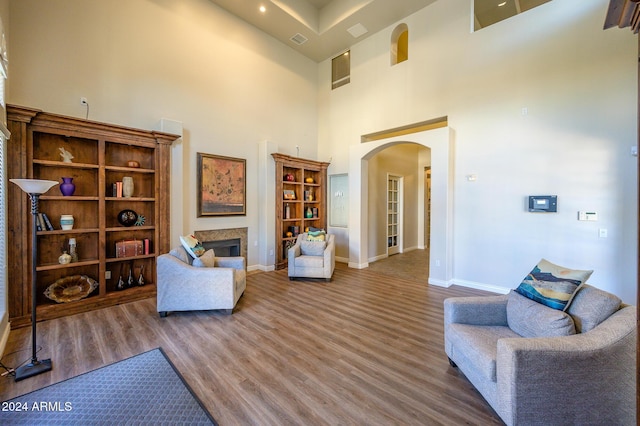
x=399 y=213
x=440 y=141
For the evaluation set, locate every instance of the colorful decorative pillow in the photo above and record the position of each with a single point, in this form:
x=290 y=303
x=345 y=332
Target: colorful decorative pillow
x=192 y=245
x=552 y=285
x=315 y=234
x=312 y=248
x=320 y=237
x=529 y=318
x=591 y=306
x=207 y=260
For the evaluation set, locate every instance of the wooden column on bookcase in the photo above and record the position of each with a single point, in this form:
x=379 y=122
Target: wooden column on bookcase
x=18 y=208
x=163 y=179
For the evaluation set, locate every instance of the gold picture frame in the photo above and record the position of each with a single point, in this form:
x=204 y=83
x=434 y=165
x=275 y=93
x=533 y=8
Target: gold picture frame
x=222 y=185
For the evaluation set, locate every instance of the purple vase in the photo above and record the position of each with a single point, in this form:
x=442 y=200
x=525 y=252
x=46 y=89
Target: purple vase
x=67 y=187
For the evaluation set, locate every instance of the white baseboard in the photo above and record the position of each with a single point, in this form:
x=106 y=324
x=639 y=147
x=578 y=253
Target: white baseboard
x=355 y=265
x=481 y=286
x=264 y=268
x=270 y=268
x=439 y=283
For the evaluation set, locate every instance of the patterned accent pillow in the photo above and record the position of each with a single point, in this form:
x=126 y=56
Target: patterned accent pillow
x=552 y=285
x=531 y=319
x=207 y=260
x=192 y=245
x=318 y=235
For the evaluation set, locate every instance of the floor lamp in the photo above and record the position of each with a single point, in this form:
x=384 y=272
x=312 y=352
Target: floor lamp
x=35 y=188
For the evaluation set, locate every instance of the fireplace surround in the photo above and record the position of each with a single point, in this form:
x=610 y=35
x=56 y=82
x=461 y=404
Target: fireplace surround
x=223 y=238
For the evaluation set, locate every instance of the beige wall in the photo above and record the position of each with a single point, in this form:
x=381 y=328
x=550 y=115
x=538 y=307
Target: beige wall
x=138 y=61
x=578 y=86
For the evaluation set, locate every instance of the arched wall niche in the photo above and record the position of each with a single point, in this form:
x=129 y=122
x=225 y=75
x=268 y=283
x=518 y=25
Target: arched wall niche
x=399 y=44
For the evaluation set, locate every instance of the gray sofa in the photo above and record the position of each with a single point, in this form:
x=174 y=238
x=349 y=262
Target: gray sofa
x=586 y=378
x=184 y=287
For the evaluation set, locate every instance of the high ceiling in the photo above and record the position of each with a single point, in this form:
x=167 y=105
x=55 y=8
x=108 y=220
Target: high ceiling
x=324 y=23
x=322 y=29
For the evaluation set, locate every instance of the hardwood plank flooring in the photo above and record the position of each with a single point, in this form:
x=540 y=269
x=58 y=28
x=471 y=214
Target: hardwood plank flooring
x=365 y=348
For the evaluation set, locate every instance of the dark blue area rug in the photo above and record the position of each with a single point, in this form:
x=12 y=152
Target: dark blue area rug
x=143 y=389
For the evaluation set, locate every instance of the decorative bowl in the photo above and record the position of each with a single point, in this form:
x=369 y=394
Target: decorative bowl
x=70 y=289
x=134 y=164
x=127 y=217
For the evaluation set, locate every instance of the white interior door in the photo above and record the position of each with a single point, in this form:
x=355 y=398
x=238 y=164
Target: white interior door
x=394 y=214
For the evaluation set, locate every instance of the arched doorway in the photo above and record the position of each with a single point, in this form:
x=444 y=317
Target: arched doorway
x=440 y=246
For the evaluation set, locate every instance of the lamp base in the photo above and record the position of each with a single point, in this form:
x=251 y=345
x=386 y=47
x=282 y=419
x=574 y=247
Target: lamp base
x=33 y=369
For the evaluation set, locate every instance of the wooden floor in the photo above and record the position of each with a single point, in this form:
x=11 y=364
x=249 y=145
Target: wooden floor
x=362 y=349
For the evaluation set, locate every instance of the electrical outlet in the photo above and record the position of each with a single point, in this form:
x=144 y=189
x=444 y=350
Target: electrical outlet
x=107 y=275
x=83 y=101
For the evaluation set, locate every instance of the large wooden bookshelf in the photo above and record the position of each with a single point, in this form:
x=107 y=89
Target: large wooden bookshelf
x=102 y=155
x=306 y=180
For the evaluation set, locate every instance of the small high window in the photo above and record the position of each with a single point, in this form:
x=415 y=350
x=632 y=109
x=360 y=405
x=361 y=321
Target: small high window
x=340 y=70
x=489 y=12
x=400 y=44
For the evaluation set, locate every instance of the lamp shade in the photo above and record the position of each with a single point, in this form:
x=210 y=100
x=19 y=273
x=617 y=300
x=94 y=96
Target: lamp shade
x=34 y=186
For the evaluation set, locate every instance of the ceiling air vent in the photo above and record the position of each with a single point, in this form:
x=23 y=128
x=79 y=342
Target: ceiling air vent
x=299 y=39
x=357 y=30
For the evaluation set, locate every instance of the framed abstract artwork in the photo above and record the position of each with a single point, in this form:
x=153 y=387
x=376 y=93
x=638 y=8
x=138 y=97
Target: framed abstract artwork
x=222 y=185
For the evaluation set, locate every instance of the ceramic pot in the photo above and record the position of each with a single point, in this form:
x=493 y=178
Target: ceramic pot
x=67 y=187
x=64 y=258
x=127 y=186
x=66 y=222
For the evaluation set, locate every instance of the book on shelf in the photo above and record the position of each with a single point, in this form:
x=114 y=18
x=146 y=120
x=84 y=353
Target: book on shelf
x=47 y=223
x=39 y=222
x=117 y=189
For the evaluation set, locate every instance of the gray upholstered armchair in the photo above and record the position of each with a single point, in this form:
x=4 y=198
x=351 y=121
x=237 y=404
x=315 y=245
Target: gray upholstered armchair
x=586 y=378
x=312 y=259
x=184 y=287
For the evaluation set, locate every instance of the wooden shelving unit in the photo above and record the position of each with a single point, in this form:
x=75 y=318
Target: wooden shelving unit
x=101 y=153
x=307 y=181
